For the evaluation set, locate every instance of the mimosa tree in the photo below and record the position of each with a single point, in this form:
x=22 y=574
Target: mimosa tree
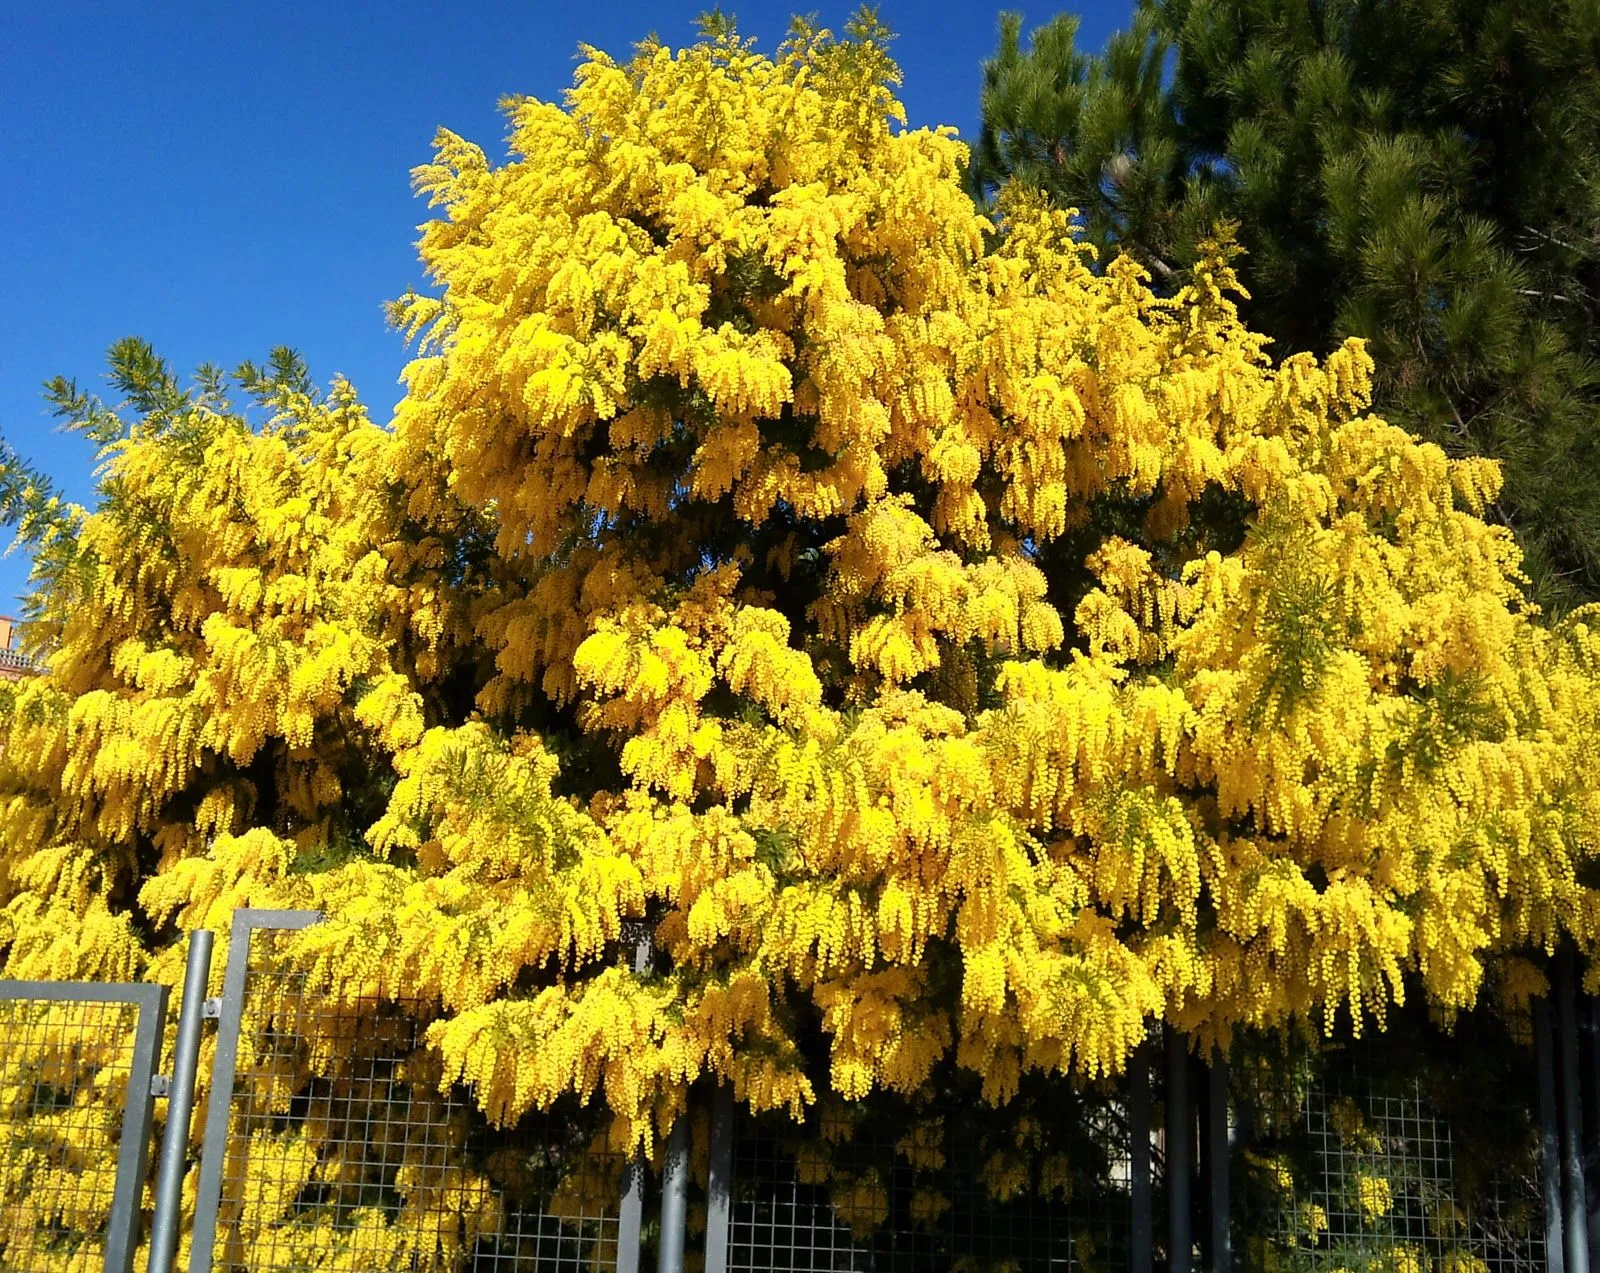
x=954 y=655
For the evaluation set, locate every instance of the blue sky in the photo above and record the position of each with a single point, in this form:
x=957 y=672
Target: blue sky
x=223 y=178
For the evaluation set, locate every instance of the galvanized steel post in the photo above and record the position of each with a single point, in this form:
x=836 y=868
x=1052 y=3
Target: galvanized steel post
x=1143 y=1221
x=1217 y=1164
x=1574 y=1218
x=630 y=1216
x=1179 y=1127
x=1549 y=1138
x=674 y=1198
x=180 y=1105
x=1591 y=1027
x=719 y=1186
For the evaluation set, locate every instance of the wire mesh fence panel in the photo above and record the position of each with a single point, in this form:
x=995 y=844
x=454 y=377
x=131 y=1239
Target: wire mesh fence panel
x=342 y=1152
x=557 y=1188
x=877 y=1185
x=1396 y=1154
x=74 y=1124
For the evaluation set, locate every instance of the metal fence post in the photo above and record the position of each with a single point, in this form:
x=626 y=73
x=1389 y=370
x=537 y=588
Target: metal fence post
x=1217 y=1163
x=674 y=1198
x=1140 y=1248
x=719 y=1185
x=180 y=1105
x=1591 y=1073
x=1549 y=1138
x=630 y=1216
x=1575 y=1208
x=1179 y=1127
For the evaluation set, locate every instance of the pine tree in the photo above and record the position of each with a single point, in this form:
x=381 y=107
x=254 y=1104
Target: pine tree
x=1424 y=174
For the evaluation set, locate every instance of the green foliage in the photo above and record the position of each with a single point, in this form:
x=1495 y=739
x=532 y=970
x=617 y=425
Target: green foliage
x=1421 y=173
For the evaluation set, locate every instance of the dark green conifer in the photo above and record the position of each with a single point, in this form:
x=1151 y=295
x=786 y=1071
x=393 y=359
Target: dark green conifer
x=1422 y=173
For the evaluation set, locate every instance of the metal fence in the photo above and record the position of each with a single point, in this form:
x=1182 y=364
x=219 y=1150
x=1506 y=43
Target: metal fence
x=1414 y=1152
x=329 y=1144
x=1392 y=1153
x=947 y=1184
x=77 y=1062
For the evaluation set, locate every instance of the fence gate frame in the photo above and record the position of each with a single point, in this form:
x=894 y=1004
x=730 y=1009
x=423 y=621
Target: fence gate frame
x=219 y=1104
x=224 y=1075
x=133 y=1149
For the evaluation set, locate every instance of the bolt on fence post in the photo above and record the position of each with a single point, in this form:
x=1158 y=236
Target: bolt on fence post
x=1180 y=1242
x=674 y=1198
x=180 y=1105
